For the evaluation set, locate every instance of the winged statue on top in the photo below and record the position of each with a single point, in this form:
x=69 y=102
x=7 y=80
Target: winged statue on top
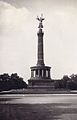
x=40 y=19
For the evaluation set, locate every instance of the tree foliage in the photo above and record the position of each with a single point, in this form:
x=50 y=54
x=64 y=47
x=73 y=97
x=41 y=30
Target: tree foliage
x=13 y=81
x=66 y=82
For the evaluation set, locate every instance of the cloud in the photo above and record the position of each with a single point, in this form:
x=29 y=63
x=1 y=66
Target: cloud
x=11 y=17
x=13 y=26
x=15 y=3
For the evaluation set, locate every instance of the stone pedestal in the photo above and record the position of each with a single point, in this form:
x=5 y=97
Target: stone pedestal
x=40 y=78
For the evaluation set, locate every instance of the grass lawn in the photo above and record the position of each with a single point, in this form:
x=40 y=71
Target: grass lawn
x=53 y=111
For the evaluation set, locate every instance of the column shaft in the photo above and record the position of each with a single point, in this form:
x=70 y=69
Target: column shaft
x=40 y=55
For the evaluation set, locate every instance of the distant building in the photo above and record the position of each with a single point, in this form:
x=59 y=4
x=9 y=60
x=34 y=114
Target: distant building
x=40 y=74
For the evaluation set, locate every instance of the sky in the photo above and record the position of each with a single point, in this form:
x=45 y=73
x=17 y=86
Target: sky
x=18 y=36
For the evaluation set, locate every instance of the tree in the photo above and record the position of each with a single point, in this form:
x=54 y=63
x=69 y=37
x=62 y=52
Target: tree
x=64 y=81
x=11 y=82
x=73 y=82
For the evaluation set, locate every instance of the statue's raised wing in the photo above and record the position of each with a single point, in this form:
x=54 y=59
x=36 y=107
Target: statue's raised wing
x=38 y=18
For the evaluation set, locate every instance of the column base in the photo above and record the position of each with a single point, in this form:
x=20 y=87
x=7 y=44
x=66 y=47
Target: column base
x=41 y=83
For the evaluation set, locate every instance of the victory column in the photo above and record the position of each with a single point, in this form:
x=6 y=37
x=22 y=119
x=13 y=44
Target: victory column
x=40 y=74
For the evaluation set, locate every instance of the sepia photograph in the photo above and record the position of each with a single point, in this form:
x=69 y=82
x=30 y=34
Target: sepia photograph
x=38 y=60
